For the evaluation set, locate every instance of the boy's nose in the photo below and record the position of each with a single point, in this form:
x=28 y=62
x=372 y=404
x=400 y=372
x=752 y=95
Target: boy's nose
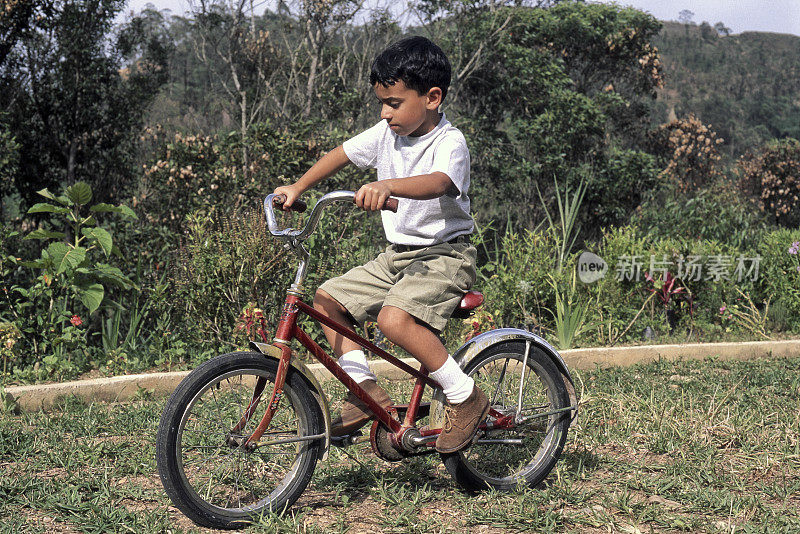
x=385 y=114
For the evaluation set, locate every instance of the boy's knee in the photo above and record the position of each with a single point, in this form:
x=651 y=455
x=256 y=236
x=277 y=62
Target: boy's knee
x=321 y=297
x=330 y=307
x=324 y=302
x=393 y=321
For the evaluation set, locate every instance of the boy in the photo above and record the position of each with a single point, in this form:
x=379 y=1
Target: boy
x=414 y=286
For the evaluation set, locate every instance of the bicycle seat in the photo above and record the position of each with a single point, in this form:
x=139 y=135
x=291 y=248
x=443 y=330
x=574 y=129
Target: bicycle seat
x=470 y=301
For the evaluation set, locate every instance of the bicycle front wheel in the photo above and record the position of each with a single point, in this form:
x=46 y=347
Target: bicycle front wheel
x=204 y=466
x=524 y=453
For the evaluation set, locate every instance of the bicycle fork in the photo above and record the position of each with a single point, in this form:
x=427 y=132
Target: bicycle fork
x=283 y=334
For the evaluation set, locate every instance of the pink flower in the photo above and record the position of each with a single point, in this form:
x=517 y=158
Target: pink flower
x=722 y=309
x=76 y=321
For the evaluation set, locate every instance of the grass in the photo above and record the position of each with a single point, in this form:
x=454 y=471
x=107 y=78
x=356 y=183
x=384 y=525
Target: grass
x=694 y=446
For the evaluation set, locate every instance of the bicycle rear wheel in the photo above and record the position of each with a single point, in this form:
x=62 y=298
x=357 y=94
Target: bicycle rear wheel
x=203 y=464
x=525 y=453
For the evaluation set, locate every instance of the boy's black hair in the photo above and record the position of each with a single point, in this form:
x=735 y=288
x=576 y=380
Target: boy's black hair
x=415 y=60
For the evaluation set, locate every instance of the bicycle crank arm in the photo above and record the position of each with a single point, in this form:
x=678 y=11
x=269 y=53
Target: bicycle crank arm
x=290 y=440
x=424 y=440
x=419 y=441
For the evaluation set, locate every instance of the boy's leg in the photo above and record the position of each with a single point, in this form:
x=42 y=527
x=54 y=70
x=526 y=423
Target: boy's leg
x=415 y=337
x=353 y=361
x=330 y=307
x=468 y=405
x=351 y=358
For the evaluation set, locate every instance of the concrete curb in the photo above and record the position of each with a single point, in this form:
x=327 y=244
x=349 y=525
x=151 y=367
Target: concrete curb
x=590 y=358
x=119 y=388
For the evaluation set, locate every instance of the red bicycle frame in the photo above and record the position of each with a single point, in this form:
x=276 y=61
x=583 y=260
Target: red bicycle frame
x=288 y=330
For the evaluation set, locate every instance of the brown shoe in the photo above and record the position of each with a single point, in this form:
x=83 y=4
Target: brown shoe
x=355 y=413
x=461 y=422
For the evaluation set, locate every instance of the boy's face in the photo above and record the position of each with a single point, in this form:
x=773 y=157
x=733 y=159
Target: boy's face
x=405 y=109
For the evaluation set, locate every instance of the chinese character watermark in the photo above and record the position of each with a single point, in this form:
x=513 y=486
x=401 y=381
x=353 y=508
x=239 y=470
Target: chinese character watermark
x=715 y=267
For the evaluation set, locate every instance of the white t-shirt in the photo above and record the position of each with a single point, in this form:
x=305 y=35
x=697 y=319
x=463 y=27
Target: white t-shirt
x=443 y=149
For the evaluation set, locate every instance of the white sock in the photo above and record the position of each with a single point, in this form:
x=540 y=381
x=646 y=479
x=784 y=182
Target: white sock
x=456 y=385
x=355 y=364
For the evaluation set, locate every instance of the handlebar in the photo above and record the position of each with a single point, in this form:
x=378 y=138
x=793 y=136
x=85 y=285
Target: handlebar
x=298 y=205
x=299 y=235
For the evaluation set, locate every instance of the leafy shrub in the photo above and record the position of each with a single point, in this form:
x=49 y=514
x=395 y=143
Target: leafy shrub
x=708 y=285
x=516 y=278
x=771 y=176
x=203 y=174
x=620 y=294
x=224 y=264
x=9 y=335
x=185 y=177
x=618 y=187
x=72 y=276
x=717 y=212
x=689 y=150
x=227 y=265
x=779 y=277
x=617 y=301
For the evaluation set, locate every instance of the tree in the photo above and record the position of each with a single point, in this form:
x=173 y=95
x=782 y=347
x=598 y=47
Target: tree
x=707 y=32
x=17 y=19
x=771 y=177
x=74 y=106
x=544 y=93
x=686 y=16
x=721 y=29
x=282 y=66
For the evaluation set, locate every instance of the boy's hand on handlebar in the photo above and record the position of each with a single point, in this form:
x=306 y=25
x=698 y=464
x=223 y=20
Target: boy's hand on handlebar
x=290 y=192
x=372 y=196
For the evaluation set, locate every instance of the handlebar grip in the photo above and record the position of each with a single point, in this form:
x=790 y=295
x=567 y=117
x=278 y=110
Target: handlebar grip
x=390 y=205
x=298 y=205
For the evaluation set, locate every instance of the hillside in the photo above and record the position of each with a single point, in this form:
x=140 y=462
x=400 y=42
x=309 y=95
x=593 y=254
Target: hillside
x=744 y=85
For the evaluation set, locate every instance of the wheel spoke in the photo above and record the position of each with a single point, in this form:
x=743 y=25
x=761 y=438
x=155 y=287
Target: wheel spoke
x=500 y=382
x=212 y=469
x=520 y=379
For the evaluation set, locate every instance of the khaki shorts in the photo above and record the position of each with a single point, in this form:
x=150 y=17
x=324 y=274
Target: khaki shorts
x=428 y=283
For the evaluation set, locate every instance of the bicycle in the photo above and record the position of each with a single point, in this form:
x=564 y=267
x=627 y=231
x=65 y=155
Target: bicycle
x=223 y=462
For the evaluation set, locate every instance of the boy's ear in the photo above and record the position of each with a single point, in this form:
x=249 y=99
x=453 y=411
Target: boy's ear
x=434 y=98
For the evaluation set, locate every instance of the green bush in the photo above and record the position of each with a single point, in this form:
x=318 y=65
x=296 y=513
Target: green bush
x=617 y=301
x=56 y=310
x=228 y=263
x=715 y=213
x=223 y=265
x=515 y=279
x=204 y=175
x=619 y=187
x=779 y=278
x=621 y=297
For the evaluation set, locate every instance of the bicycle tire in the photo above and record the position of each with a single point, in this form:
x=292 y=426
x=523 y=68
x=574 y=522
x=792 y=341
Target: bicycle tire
x=203 y=467
x=537 y=444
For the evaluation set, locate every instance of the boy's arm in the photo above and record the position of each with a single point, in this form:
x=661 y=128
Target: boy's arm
x=328 y=165
x=422 y=187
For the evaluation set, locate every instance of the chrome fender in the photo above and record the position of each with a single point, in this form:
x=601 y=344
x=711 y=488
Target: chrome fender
x=274 y=353
x=481 y=342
